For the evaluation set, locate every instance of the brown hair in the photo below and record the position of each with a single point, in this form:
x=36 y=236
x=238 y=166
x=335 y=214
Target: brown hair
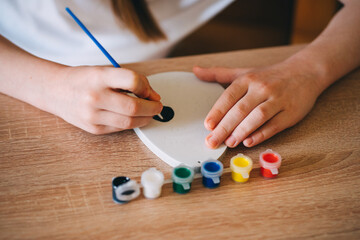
x=137 y=17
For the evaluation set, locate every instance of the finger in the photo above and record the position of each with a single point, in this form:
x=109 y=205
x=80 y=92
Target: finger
x=149 y=92
x=232 y=119
x=154 y=96
x=227 y=100
x=221 y=75
x=274 y=126
x=260 y=115
x=129 y=80
x=124 y=104
x=111 y=119
x=101 y=129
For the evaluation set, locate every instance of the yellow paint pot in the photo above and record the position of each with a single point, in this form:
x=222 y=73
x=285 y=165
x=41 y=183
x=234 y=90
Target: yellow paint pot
x=241 y=167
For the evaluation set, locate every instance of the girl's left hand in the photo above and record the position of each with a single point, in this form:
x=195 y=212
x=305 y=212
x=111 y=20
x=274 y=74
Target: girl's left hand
x=259 y=103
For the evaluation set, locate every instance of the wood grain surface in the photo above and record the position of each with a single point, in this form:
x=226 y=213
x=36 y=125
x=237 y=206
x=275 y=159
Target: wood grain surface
x=55 y=179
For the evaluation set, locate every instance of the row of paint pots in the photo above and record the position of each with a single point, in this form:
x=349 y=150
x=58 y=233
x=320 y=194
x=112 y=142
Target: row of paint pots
x=124 y=189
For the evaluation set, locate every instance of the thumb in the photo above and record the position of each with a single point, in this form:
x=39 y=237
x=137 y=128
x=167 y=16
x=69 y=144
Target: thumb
x=218 y=74
x=154 y=96
x=145 y=90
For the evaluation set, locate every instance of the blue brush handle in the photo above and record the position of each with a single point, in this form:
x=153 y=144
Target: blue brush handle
x=93 y=38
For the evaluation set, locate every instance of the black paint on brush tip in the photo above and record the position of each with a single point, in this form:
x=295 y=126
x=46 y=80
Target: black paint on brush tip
x=166 y=115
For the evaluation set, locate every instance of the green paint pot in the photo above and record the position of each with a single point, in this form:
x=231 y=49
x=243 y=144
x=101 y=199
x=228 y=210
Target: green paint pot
x=182 y=177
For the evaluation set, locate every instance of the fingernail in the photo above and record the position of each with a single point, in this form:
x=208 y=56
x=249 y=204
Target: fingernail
x=231 y=141
x=212 y=141
x=247 y=142
x=210 y=124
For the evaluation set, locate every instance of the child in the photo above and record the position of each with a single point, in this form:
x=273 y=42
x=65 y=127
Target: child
x=259 y=102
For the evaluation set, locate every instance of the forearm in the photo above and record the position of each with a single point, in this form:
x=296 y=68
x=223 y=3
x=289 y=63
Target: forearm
x=24 y=76
x=336 y=51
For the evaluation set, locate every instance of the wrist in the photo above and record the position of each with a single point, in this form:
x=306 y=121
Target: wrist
x=319 y=72
x=53 y=88
x=44 y=85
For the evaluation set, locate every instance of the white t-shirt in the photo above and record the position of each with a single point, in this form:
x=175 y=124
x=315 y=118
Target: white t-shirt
x=45 y=29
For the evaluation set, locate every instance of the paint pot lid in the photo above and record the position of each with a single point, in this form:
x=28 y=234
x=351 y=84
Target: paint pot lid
x=212 y=168
x=127 y=191
x=239 y=168
x=183 y=174
x=117 y=181
x=270 y=159
x=152 y=177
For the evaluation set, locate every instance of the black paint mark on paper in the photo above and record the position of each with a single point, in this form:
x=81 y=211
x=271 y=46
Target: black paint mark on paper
x=166 y=115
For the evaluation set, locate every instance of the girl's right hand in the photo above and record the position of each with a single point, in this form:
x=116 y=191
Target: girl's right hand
x=95 y=99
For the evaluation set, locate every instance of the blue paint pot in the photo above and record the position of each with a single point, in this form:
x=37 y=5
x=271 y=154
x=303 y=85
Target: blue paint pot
x=124 y=189
x=211 y=171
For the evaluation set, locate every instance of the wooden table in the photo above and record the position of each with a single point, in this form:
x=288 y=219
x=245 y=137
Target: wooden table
x=55 y=179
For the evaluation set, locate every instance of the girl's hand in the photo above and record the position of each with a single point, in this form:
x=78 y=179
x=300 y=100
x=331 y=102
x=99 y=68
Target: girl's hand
x=95 y=100
x=259 y=102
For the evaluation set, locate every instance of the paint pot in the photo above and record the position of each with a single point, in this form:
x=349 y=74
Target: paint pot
x=152 y=181
x=124 y=189
x=241 y=167
x=182 y=177
x=270 y=162
x=211 y=171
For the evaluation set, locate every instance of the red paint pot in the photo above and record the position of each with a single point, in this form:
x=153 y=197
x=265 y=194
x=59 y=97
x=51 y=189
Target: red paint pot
x=270 y=162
